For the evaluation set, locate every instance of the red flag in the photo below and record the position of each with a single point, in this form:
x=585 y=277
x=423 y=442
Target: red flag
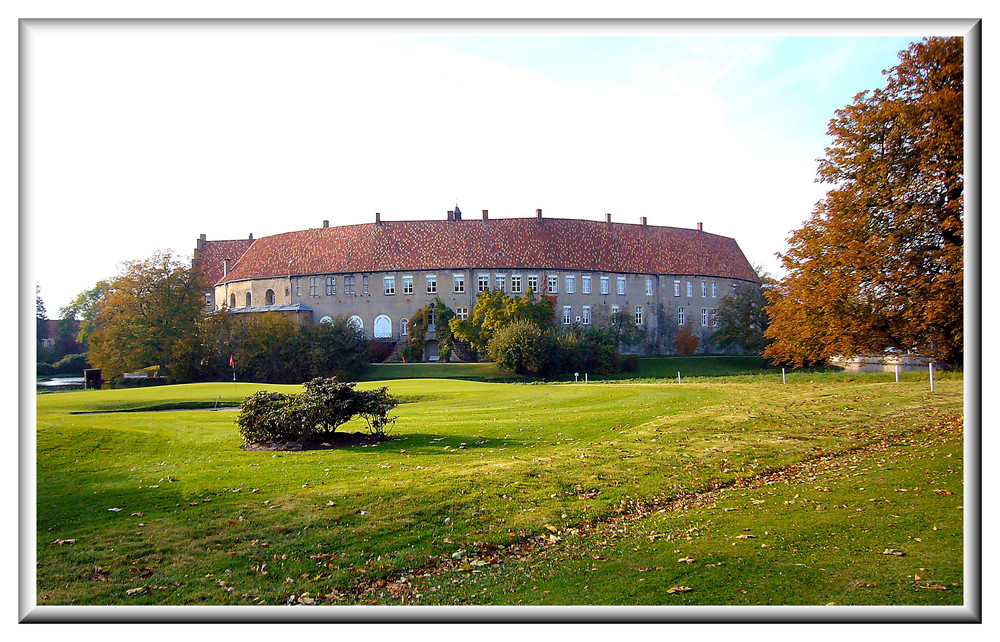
x=231 y=362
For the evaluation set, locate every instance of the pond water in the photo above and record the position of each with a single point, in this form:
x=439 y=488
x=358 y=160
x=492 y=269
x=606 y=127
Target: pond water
x=62 y=381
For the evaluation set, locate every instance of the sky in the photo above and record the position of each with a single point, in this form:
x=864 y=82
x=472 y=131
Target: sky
x=140 y=136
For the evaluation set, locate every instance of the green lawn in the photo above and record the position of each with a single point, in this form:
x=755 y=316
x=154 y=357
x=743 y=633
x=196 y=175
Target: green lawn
x=505 y=493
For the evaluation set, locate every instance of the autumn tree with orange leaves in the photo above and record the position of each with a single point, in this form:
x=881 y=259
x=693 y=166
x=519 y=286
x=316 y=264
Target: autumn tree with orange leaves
x=880 y=262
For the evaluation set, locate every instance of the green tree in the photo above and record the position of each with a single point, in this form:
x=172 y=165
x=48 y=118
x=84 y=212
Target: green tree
x=495 y=310
x=625 y=331
x=41 y=320
x=742 y=318
x=148 y=315
x=880 y=262
x=84 y=308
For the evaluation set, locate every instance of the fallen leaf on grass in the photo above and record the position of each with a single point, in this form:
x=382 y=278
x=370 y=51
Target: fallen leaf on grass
x=892 y=551
x=114 y=510
x=940 y=491
x=746 y=536
x=687 y=560
x=934 y=586
x=133 y=591
x=678 y=589
x=60 y=542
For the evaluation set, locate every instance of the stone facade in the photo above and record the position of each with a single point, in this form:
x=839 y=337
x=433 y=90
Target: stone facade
x=382 y=300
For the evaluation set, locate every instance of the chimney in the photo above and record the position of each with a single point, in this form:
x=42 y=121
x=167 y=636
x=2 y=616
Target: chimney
x=699 y=228
x=326 y=223
x=451 y=215
x=486 y=215
x=643 y=219
x=538 y=214
x=251 y=236
x=201 y=242
x=378 y=219
x=607 y=217
x=225 y=267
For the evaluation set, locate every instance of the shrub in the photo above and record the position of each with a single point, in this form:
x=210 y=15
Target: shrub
x=261 y=419
x=380 y=350
x=71 y=364
x=325 y=405
x=686 y=341
x=44 y=369
x=630 y=363
x=524 y=348
x=374 y=408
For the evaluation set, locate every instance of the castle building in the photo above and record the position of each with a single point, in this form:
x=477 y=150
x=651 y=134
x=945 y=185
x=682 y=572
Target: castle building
x=378 y=274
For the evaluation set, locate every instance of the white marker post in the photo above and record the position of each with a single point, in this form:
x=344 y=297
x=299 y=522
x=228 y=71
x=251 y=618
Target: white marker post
x=897 y=373
x=783 y=380
x=586 y=378
x=678 y=377
x=576 y=377
x=930 y=367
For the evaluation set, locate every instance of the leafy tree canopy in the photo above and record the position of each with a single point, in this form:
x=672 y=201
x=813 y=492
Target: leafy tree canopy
x=880 y=262
x=742 y=317
x=147 y=315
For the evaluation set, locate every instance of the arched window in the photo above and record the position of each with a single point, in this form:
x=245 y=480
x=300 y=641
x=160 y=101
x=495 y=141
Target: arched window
x=269 y=297
x=326 y=320
x=382 y=328
x=356 y=323
x=248 y=299
x=404 y=327
x=232 y=300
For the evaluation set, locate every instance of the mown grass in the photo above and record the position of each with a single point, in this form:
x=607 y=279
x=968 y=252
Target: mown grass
x=475 y=467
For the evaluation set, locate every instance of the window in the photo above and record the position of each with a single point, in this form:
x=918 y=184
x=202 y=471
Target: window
x=349 y=285
x=314 y=286
x=704 y=316
x=327 y=320
x=458 y=281
x=483 y=283
x=570 y=284
x=232 y=300
x=407 y=285
x=714 y=322
x=390 y=288
x=677 y=288
x=690 y=289
x=501 y=282
x=585 y=284
x=404 y=327
x=462 y=314
x=248 y=299
x=649 y=287
x=552 y=284
x=621 y=285
x=356 y=323
x=567 y=315
x=713 y=289
x=364 y=284
x=430 y=319
x=586 y=315
x=208 y=298
x=605 y=288
x=680 y=316
x=432 y=284
x=298 y=287
x=515 y=283
x=533 y=282
x=638 y=315
x=382 y=328
x=331 y=285
x=704 y=289
x=269 y=297
x=614 y=310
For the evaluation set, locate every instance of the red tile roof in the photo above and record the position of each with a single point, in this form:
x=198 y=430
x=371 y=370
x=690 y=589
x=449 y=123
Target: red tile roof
x=208 y=259
x=561 y=244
